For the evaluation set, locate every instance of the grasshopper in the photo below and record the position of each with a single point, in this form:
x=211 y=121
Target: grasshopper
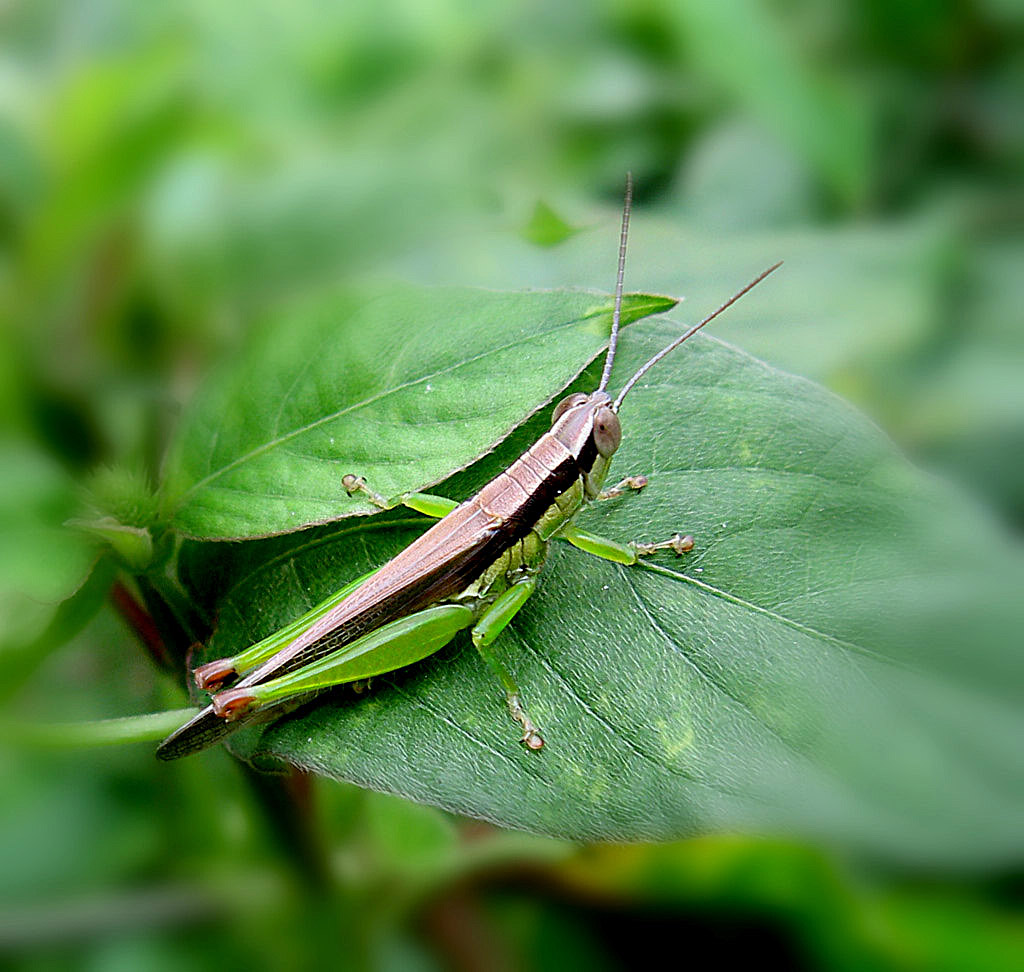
x=475 y=568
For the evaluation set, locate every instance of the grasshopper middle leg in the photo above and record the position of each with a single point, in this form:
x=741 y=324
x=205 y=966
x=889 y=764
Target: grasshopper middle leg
x=623 y=553
x=635 y=483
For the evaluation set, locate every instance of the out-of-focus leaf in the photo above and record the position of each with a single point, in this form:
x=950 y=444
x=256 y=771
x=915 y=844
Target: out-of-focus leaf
x=844 y=300
x=224 y=233
x=546 y=227
x=836 y=659
x=738 y=178
x=403 y=386
x=42 y=562
x=23 y=656
x=20 y=171
x=411 y=838
x=846 y=922
x=964 y=407
x=764 y=70
x=108 y=131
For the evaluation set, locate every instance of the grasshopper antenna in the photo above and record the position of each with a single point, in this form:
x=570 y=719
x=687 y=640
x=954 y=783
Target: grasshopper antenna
x=668 y=349
x=609 y=359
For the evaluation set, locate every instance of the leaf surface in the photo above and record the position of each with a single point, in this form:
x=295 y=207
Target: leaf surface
x=401 y=385
x=836 y=659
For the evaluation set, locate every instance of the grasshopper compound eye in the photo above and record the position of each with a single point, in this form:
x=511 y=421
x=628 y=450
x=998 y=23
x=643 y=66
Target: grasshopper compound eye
x=607 y=431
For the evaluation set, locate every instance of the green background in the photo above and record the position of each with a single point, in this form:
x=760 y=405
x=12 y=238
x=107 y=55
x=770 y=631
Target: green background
x=176 y=177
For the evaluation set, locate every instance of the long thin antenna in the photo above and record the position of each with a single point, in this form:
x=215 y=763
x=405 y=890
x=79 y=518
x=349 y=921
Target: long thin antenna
x=693 y=330
x=609 y=358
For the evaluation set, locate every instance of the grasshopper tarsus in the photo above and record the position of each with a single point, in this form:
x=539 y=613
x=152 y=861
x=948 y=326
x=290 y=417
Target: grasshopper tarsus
x=353 y=484
x=635 y=483
x=532 y=739
x=679 y=544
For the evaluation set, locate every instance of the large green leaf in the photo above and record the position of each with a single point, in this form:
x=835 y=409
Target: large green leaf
x=826 y=123
x=847 y=300
x=402 y=386
x=837 y=658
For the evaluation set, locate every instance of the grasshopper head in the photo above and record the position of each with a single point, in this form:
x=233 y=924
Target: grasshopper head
x=589 y=428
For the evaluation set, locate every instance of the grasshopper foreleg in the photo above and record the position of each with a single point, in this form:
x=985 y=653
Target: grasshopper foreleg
x=426 y=503
x=624 y=553
x=635 y=483
x=494 y=621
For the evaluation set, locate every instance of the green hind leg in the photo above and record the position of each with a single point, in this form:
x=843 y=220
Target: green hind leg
x=390 y=647
x=215 y=673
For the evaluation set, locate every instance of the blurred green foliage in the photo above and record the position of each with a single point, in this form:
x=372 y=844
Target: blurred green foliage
x=171 y=172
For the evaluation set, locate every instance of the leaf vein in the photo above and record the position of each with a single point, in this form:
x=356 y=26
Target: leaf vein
x=709 y=677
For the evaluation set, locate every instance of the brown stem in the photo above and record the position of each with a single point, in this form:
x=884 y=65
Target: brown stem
x=141 y=622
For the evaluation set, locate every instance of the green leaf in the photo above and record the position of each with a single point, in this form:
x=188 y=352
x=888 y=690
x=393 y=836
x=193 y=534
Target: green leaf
x=546 y=228
x=836 y=659
x=42 y=561
x=767 y=71
x=402 y=386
